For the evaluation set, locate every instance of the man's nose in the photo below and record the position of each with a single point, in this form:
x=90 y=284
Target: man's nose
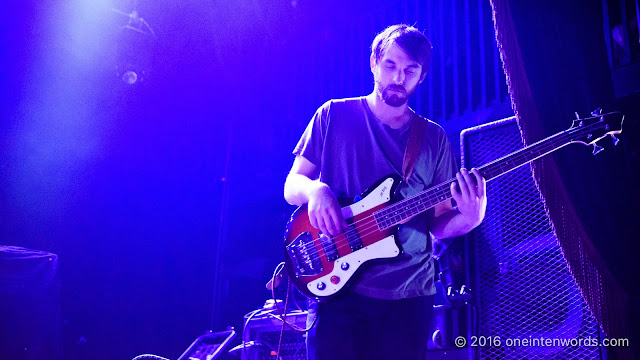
x=398 y=78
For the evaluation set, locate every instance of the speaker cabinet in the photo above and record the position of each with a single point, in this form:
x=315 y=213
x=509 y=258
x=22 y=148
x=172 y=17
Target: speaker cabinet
x=522 y=283
x=29 y=304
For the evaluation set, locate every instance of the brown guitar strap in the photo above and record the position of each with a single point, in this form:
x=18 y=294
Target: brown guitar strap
x=414 y=143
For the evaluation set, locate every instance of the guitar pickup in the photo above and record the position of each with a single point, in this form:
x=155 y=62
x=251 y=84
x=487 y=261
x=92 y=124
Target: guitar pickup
x=329 y=246
x=355 y=243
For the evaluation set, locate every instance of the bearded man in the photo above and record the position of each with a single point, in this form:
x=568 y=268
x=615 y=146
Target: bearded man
x=351 y=143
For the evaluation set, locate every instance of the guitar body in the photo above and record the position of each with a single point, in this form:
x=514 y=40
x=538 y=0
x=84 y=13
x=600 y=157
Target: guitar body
x=320 y=265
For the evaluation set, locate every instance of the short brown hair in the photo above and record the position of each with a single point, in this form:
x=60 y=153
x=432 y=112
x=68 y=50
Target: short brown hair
x=410 y=39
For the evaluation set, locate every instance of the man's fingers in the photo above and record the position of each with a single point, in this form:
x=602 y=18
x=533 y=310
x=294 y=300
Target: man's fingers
x=313 y=220
x=329 y=222
x=471 y=187
x=337 y=222
x=322 y=226
x=454 y=192
x=340 y=219
x=482 y=183
x=464 y=190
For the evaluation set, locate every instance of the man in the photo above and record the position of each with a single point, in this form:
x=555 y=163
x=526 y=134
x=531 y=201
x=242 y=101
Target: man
x=348 y=145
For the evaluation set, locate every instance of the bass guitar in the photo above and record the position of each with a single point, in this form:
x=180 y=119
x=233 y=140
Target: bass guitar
x=321 y=265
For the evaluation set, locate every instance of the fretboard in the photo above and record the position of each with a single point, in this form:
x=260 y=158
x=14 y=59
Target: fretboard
x=405 y=209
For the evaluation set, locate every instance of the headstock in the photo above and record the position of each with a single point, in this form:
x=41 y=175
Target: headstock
x=589 y=130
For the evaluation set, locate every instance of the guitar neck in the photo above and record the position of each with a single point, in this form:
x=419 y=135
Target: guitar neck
x=405 y=209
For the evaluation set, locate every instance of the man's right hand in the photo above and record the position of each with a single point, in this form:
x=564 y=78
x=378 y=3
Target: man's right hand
x=324 y=210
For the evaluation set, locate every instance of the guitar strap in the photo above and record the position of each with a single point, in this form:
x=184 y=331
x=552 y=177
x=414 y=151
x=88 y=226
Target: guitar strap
x=414 y=143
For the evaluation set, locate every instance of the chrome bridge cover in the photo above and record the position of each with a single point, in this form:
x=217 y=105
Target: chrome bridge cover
x=304 y=256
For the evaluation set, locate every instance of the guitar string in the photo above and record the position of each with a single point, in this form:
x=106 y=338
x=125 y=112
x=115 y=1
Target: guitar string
x=445 y=185
x=339 y=242
x=558 y=137
x=364 y=231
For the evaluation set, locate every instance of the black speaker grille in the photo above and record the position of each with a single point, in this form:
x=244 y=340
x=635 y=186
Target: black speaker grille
x=523 y=285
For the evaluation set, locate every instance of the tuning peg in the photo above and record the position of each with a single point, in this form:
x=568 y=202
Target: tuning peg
x=597 y=149
x=577 y=116
x=597 y=112
x=615 y=139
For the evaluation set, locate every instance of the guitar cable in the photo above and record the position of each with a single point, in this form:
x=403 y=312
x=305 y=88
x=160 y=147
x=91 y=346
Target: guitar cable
x=244 y=332
x=283 y=316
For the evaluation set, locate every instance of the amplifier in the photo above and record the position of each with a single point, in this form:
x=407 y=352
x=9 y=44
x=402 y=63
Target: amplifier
x=262 y=334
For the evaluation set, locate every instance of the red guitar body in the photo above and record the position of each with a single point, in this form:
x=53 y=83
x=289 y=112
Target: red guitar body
x=320 y=265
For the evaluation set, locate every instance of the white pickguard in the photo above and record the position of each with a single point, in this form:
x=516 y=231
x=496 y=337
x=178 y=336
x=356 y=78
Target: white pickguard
x=385 y=248
x=380 y=195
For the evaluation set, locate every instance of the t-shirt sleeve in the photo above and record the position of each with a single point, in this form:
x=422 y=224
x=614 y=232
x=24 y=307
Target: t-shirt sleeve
x=311 y=143
x=446 y=166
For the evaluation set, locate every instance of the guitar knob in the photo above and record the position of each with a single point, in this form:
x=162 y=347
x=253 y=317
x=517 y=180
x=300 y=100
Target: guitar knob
x=344 y=266
x=335 y=279
x=615 y=139
x=321 y=286
x=597 y=149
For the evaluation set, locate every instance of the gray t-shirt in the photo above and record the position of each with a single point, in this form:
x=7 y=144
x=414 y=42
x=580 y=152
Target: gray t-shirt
x=353 y=150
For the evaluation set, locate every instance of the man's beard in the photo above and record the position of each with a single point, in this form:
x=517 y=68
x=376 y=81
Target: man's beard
x=394 y=95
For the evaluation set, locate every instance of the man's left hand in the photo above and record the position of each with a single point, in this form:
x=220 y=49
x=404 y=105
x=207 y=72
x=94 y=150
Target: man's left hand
x=471 y=197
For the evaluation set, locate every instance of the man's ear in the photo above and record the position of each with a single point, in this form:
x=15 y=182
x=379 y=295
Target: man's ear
x=372 y=62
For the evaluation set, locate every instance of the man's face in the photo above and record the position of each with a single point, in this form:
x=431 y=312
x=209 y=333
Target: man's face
x=396 y=76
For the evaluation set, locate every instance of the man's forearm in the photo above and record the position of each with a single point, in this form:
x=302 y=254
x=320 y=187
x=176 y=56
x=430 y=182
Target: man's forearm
x=298 y=189
x=450 y=224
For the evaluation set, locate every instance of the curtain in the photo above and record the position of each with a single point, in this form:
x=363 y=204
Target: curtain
x=555 y=60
